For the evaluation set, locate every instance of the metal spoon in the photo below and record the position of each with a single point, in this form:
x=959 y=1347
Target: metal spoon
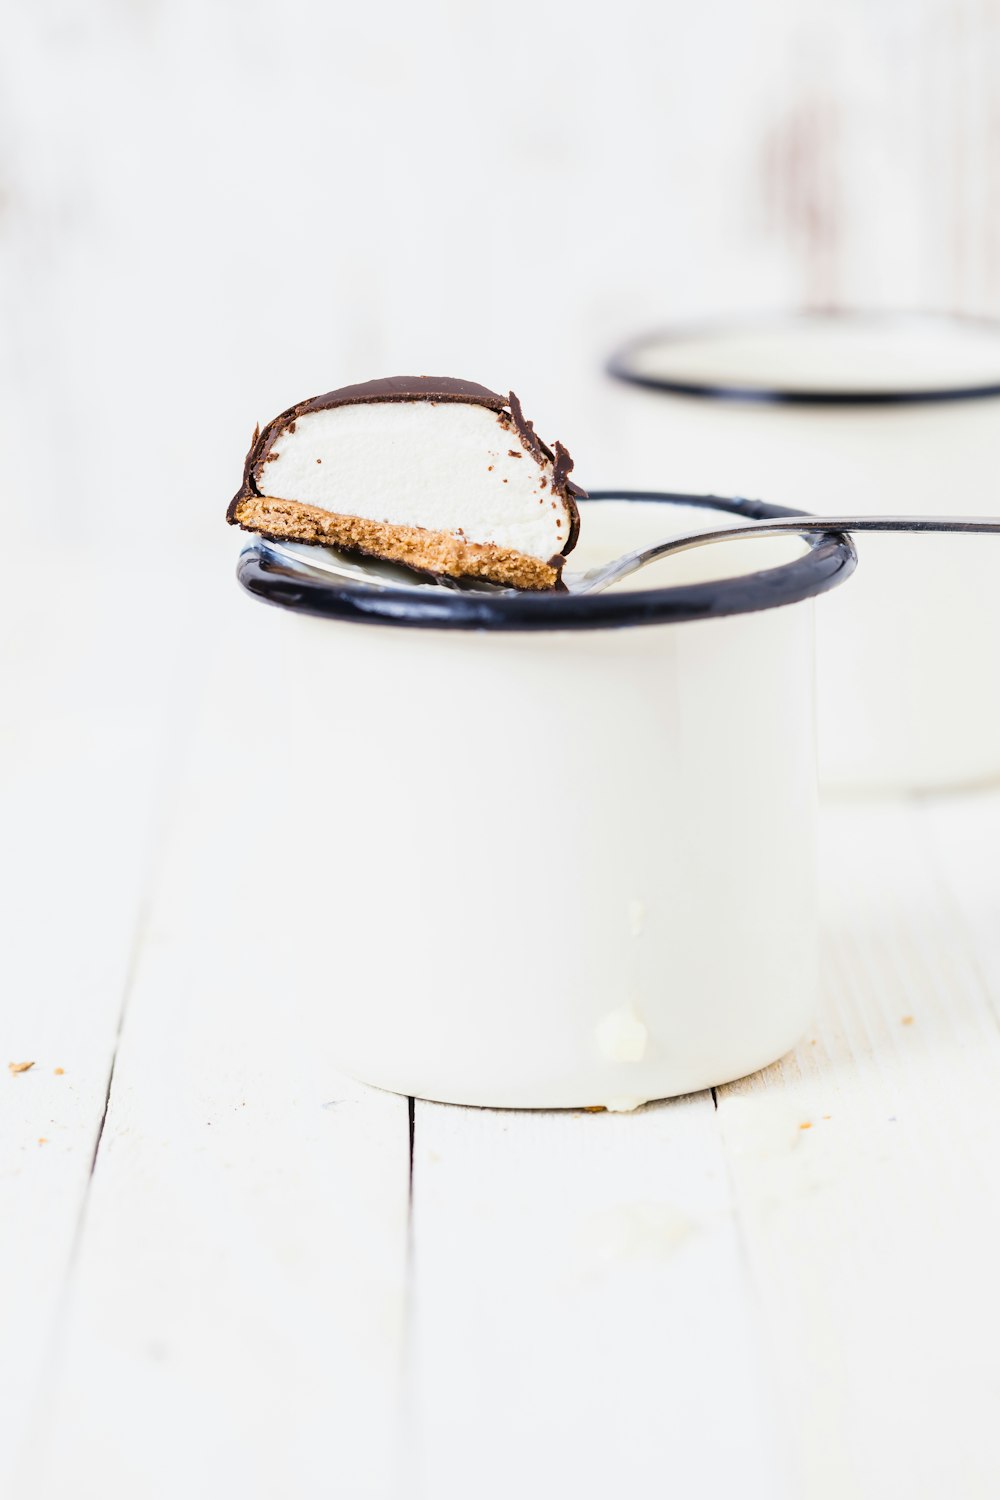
x=377 y=574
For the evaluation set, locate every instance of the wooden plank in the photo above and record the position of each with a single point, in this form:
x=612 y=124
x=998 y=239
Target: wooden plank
x=864 y=1166
x=583 y=1321
x=87 y=722
x=235 y=1321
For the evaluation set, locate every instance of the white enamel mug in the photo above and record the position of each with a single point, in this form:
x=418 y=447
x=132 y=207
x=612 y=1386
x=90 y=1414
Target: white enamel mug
x=866 y=414
x=547 y=850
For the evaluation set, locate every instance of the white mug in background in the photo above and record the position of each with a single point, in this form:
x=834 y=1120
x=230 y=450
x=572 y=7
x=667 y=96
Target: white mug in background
x=861 y=413
x=541 y=850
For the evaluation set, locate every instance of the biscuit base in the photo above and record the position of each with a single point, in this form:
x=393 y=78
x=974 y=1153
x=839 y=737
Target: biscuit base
x=438 y=552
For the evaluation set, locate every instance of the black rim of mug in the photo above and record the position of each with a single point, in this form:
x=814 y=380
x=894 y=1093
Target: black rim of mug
x=621 y=364
x=830 y=560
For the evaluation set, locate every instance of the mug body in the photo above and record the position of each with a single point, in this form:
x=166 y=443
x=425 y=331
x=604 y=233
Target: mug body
x=907 y=422
x=556 y=866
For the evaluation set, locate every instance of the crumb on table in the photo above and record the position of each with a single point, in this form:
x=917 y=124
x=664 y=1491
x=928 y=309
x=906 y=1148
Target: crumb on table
x=20 y=1067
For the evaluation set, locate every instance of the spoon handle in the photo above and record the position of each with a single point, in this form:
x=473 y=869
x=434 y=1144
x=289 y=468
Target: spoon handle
x=601 y=578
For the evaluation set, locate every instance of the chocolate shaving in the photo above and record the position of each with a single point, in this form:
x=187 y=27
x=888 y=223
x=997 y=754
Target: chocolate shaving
x=560 y=473
x=526 y=430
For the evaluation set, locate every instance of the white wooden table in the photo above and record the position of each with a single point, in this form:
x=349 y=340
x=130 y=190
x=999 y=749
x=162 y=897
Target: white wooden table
x=225 y=1270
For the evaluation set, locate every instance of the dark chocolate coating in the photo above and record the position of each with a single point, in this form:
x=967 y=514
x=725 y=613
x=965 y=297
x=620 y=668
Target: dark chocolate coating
x=417 y=388
x=405 y=388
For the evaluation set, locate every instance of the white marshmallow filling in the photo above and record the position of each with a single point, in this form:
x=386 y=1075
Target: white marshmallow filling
x=444 y=466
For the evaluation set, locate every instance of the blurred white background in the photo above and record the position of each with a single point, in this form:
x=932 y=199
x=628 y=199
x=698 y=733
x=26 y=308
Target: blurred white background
x=212 y=208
